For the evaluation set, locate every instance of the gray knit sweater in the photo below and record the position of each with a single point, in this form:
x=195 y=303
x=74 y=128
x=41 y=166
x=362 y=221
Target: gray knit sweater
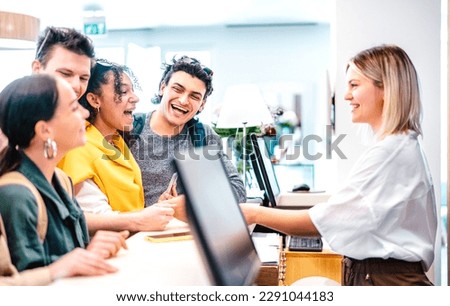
x=155 y=153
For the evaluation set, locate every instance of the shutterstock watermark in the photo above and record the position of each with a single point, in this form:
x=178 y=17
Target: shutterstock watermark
x=309 y=143
x=180 y=148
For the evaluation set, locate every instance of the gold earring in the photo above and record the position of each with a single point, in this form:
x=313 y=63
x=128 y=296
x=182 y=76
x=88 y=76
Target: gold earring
x=50 y=149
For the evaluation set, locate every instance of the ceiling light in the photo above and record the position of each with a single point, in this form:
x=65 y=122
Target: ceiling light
x=18 y=31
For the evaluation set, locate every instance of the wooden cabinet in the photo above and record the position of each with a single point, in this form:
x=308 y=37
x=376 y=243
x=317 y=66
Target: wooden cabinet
x=296 y=265
x=268 y=276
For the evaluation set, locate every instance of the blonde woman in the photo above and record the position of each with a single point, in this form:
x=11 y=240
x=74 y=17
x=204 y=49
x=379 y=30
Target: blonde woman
x=383 y=220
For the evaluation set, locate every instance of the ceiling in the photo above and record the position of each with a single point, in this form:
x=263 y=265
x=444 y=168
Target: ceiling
x=141 y=14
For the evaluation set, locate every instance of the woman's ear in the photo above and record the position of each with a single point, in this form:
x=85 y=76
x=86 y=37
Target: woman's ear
x=93 y=100
x=43 y=130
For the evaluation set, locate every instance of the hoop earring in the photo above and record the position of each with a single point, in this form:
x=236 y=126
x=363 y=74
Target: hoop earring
x=98 y=109
x=50 y=149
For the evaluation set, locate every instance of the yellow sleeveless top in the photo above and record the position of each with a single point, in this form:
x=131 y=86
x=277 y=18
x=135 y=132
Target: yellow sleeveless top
x=112 y=167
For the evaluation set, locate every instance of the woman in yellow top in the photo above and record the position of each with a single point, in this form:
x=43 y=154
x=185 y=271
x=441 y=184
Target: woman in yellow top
x=106 y=176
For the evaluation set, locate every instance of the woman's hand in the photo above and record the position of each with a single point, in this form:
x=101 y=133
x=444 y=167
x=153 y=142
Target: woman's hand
x=80 y=262
x=108 y=243
x=154 y=218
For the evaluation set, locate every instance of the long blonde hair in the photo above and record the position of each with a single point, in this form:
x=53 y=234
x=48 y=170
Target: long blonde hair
x=390 y=68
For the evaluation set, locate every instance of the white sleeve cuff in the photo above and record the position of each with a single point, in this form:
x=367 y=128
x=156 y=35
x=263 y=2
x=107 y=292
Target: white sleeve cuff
x=93 y=200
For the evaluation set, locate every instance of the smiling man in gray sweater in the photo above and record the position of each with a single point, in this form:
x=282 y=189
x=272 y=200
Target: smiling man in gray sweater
x=166 y=133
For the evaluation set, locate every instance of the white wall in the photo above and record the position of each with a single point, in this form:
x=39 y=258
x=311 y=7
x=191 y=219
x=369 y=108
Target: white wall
x=414 y=25
x=283 y=60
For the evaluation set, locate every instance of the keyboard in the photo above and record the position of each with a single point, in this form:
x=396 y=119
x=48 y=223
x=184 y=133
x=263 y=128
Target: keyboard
x=305 y=244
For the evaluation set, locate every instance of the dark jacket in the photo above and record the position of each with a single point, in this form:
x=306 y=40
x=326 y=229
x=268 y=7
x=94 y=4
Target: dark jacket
x=67 y=227
x=8 y=273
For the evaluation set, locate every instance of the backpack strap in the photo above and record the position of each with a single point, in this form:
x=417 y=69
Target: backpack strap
x=138 y=124
x=197 y=132
x=65 y=181
x=18 y=178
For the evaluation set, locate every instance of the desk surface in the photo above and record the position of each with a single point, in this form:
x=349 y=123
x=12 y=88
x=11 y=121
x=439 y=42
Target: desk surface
x=301 y=199
x=146 y=263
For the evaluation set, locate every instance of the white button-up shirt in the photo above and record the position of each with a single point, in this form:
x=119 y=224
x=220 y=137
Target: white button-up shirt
x=387 y=208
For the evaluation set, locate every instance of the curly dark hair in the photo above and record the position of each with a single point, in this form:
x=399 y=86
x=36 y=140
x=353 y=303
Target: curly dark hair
x=100 y=76
x=189 y=65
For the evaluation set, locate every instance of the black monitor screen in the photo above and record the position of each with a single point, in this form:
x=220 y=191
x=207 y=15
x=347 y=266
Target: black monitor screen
x=265 y=167
x=259 y=178
x=216 y=220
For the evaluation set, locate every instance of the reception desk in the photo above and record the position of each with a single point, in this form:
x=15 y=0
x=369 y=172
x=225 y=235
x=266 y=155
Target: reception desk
x=295 y=266
x=179 y=263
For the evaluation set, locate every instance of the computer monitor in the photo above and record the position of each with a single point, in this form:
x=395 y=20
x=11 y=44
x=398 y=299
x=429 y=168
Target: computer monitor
x=265 y=169
x=215 y=219
x=258 y=177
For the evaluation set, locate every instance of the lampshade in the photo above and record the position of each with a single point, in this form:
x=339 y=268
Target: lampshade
x=243 y=104
x=18 y=31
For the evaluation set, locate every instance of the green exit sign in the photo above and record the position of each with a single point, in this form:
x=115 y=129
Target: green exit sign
x=94 y=26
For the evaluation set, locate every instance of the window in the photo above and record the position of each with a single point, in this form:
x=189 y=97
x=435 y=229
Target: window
x=145 y=62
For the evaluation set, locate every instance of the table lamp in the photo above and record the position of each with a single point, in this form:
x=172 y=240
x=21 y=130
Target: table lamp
x=243 y=106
